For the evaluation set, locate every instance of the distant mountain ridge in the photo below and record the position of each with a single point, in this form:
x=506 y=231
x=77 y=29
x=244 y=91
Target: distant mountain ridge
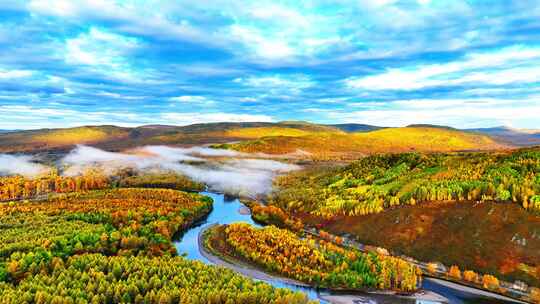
x=353 y=127
x=517 y=137
x=118 y=138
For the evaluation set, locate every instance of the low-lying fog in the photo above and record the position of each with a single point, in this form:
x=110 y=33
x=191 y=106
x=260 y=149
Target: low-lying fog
x=222 y=170
x=20 y=165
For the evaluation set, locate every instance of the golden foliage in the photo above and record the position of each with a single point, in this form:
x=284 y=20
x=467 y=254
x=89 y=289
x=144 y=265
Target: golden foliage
x=454 y=272
x=319 y=262
x=490 y=282
x=470 y=276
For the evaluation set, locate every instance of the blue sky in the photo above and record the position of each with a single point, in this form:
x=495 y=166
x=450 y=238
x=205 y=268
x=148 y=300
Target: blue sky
x=393 y=63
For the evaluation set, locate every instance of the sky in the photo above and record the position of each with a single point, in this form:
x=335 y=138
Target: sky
x=465 y=64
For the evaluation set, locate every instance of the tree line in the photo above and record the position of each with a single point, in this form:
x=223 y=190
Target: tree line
x=318 y=262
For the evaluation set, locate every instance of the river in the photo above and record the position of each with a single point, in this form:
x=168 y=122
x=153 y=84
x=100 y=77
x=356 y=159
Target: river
x=227 y=210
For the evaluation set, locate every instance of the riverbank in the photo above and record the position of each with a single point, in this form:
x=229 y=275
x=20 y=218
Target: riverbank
x=227 y=211
x=472 y=290
x=239 y=266
x=325 y=295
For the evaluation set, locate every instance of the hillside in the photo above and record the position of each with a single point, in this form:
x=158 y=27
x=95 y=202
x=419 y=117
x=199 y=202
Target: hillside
x=346 y=141
x=457 y=208
x=339 y=145
x=43 y=139
x=117 y=138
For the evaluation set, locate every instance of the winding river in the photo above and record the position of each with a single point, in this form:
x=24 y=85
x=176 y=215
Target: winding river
x=227 y=211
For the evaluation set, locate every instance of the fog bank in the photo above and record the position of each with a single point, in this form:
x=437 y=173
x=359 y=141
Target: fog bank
x=20 y=165
x=232 y=173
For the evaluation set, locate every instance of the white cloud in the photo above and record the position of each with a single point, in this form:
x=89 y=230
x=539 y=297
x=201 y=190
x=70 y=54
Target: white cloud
x=292 y=84
x=248 y=99
x=459 y=113
x=15 y=74
x=108 y=55
x=207 y=70
x=28 y=117
x=191 y=98
x=191 y=118
x=119 y=96
x=97 y=47
x=274 y=12
x=129 y=18
x=510 y=65
x=281 y=34
x=262 y=45
x=57 y=8
x=232 y=175
x=376 y=3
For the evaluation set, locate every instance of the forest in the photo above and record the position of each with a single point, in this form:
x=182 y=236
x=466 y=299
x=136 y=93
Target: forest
x=112 y=246
x=313 y=261
x=375 y=183
x=96 y=278
x=17 y=187
x=51 y=221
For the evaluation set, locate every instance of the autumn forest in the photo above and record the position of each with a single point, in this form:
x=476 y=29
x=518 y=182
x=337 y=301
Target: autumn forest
x=113 y=226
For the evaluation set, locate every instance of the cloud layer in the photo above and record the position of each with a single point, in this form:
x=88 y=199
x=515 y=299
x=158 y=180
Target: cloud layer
x=20 y=165
x=70 y=62
x=229 y=173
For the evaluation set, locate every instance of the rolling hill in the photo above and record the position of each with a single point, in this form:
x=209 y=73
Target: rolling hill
x=342 y=141
x=340 y=145
x=117 y=138
x=44 y=139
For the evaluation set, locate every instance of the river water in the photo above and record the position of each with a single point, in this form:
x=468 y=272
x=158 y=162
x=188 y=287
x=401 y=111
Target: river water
x=226 y=211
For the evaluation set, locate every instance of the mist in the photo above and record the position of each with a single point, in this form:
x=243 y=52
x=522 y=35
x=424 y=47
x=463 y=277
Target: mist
x=20 y=165
x=222 y=170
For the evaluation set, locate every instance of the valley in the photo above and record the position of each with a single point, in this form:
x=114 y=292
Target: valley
x=442 y=197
